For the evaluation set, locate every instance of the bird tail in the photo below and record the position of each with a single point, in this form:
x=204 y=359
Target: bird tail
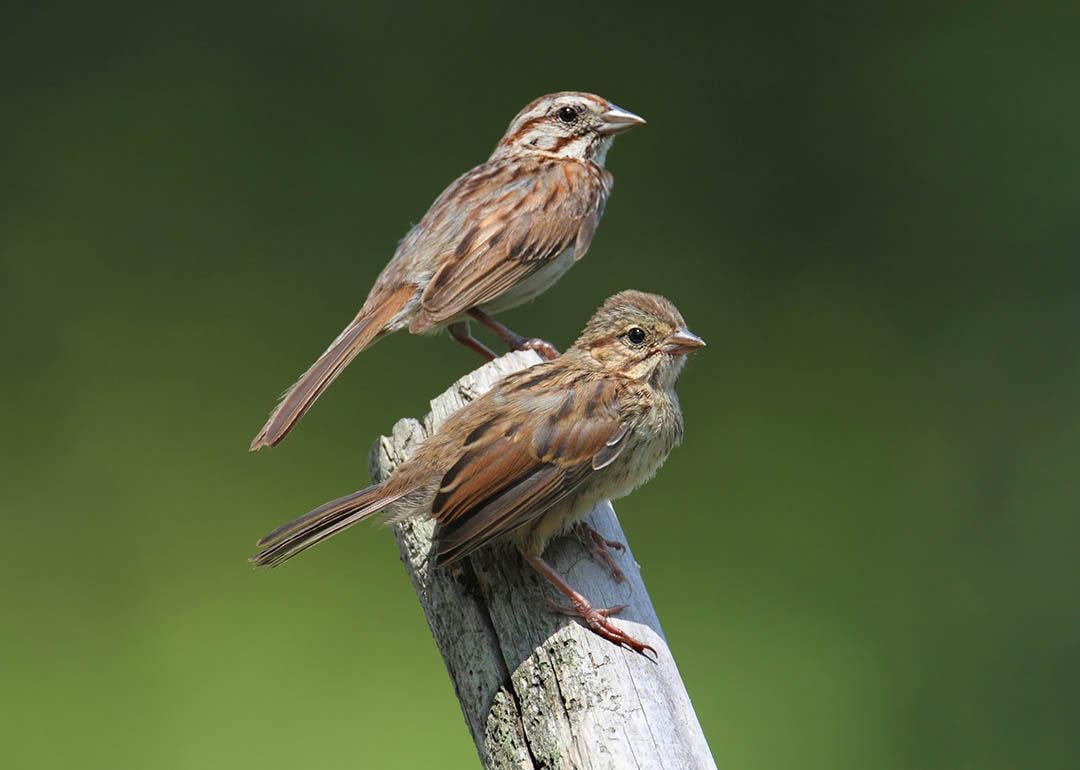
x=354 y=338
x=325 y=521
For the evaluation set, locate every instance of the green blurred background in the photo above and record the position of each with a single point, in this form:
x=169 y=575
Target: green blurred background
x=865 y=554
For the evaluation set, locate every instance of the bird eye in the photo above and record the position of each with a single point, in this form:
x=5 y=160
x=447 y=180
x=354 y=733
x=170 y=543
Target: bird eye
x=636 y=335
x=566 y=114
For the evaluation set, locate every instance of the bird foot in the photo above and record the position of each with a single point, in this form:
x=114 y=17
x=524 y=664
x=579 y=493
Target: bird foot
x=542 y=347
x=597 y=621
x=601 y=548
x=514 y=340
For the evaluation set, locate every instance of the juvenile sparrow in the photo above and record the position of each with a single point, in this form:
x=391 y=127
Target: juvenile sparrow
x=531 y=457
x=497 y=237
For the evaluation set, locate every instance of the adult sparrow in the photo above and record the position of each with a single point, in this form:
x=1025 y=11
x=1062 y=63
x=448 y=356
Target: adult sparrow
x=498 y=236
x=531 y=457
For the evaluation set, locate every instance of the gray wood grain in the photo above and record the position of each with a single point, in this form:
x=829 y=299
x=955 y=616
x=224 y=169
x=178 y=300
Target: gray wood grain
x=537 y=689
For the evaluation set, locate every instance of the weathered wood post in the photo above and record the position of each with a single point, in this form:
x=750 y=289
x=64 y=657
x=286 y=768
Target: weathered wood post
x=539 y=690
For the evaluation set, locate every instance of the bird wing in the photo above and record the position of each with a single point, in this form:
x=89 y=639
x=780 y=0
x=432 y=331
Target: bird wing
x=499 y=224
x=536 y=447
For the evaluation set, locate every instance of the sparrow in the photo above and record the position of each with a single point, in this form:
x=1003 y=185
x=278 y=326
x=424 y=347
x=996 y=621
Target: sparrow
x=530 y=458
x=500 y=235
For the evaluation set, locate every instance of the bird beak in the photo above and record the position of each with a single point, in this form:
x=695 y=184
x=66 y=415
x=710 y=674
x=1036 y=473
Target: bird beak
x=682 y=341
x=616 y=120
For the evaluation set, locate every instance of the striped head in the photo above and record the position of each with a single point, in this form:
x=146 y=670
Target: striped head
x=641 y=336
x=568 y=124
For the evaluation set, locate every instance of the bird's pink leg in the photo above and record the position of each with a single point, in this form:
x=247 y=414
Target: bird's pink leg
x=600 y=547
x=595 y=619
x=460 y=332
x=514 y=340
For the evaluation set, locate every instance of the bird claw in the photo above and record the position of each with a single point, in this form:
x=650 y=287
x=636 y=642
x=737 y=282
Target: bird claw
x=600 y=547
x=596 y=618
x=542 y=347
x=574 y=612
x=514 y=340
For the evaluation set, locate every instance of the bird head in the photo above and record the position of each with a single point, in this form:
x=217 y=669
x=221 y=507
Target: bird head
x=568 y=124
x=638 y=335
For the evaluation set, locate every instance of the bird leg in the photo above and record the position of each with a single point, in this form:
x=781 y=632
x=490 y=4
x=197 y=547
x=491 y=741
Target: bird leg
x=595 y=619
x=601 y=548
x=459 y=330
x=514 y=340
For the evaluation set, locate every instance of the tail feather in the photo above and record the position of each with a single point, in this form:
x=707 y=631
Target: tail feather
x=356 y=337
x=325 y=521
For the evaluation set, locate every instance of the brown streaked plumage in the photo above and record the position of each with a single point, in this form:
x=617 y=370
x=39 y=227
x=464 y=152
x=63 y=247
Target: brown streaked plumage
x=498 y=236
x=532 y=456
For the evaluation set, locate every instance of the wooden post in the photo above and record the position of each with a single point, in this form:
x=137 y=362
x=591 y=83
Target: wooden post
x=539 y=690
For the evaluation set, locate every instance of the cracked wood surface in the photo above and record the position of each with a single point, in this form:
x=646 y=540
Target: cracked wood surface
x=537 y=689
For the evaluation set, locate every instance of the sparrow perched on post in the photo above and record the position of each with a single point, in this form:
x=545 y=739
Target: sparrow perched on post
x=497 y=237
x=531 y=457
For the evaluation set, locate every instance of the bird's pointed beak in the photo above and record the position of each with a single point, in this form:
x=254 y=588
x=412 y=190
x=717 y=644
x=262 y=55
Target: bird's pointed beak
x=617 y=120
x=682 y=341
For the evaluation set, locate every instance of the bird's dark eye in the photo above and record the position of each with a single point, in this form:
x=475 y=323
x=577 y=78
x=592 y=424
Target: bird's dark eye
x=636 y=335
x=566 y=114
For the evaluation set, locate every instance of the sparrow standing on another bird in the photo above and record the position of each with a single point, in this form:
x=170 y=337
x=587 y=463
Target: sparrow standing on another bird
x=532 y=456
x=497 y=237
